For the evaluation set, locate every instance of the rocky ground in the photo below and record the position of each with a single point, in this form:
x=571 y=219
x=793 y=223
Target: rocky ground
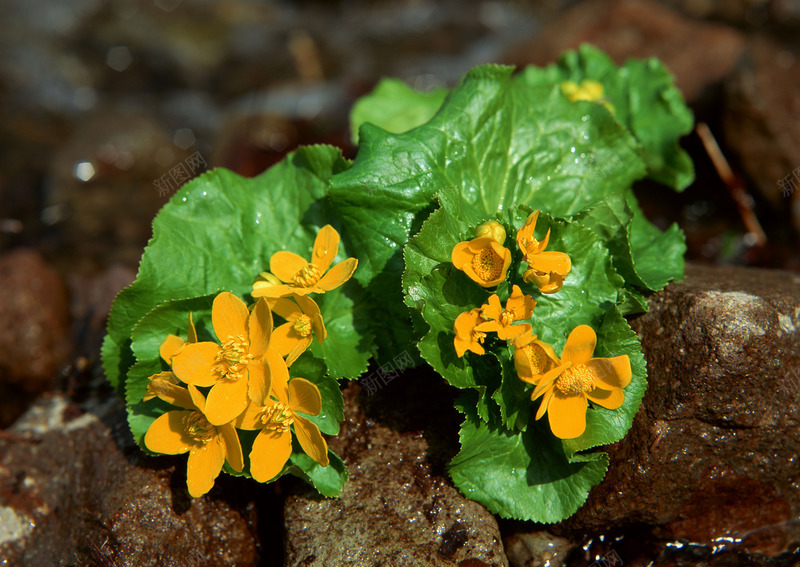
x=102 y=99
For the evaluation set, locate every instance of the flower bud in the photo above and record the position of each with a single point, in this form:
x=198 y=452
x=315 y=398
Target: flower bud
x=491 y=229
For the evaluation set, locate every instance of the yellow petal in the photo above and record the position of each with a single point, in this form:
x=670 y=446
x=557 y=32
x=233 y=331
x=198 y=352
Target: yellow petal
x=195 y=364
x=171 y=393
x=548 y=262
x=318 y=328
x=310 y=308
x=489 y=327
x=326 y=246
x=167 y=435
x=270 y=452
x=546 y=379
x=203 y=467
x=229 y=316
x=250 y=418
x=298 y=349
x=198 y=399
x=311 y=440
x=461 y=256
x=304 y=396
x=337 y=275
x=567 y=415
x=192 y=338
x=272 y=291
x=285 y=265
x=611 y=399
x=513 y=331
x=492 y=310
x=580 y=345
x=611 y=373
x=171 y=345
x=259 y=325
x=286 y=308
x=233 y=447
x=278 y=375
x=226 y=400
x=283 y=339
x=545 y=404
x=520 y=305
x=259 y=381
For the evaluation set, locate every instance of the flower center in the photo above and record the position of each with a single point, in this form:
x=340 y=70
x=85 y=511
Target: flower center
x=487 y=264
x=307 y=276
x=575 y=380
x=302 y=325
x=277 y=417
x=198 y=428
x=537 y=358
x=232 y=359
x=506 y=317
x=477 y=336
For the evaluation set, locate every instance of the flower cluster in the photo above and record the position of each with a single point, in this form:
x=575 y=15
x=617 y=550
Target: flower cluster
x=243 y=381
x=564 y=383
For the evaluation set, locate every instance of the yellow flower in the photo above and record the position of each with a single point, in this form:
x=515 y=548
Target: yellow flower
x=483 y=259
x=467 y=336
x=577 y=378
x=547 y=269
x=588 y=90
x=501 y=321
x=304 y=321
x=188 y=430
x=169 y=347
x=301 y=277
x=533 y=358
x=273 y=444
x=234 y=369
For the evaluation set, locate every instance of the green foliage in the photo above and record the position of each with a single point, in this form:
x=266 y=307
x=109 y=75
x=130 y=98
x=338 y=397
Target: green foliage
x=395 y=107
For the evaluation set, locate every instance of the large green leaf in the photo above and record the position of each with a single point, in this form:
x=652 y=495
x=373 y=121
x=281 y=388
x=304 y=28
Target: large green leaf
x=643 y=96
x=219 y=231
x=395 y=107
x=522 y=475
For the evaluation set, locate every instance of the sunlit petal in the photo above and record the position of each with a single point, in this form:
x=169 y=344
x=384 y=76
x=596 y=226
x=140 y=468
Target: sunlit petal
x=171 y=345
x=226 y=400
x=259 y=381
x=270 y=452
x=337 y=275
x=259 y=325
x=167 y=434
x=326 y=246
x=233 y=447
x=567 y=415
x=195 y=364
x=229 y=316
x=611 y=373
x=580 y=345
x=311 y=440
x=304 y=396
x=610 y=399
x=285 y=265
x=203 y=467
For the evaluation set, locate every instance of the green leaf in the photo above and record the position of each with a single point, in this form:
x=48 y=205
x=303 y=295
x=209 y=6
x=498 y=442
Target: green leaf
x=329 y=480
x=522 y=475
x=219 y=231
x=643 y=96
x=500 y=143
x=395 y=107
x=313 y=370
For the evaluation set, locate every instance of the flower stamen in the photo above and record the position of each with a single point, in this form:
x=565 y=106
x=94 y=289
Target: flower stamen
x=302 y=325
x=575 y=380
x=307 y=276
x=233 y=357
x=198 y=428
x=277 y=417
x=487 y=264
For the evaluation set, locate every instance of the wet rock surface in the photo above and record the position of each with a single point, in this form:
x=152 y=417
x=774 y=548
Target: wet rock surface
x=395 y=511
x=637 y=28
x=69 y=496
x=714 y=451
x=34 y=337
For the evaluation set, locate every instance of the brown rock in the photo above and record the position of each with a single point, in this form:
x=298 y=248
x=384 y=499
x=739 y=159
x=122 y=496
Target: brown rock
x=761 y=125
x=714 y=450
x=34 y=338
x=698 y=54
x=68 y=496
x=536 y=549
x=395 y=511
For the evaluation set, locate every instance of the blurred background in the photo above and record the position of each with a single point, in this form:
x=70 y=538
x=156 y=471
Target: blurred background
x=108 y=106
